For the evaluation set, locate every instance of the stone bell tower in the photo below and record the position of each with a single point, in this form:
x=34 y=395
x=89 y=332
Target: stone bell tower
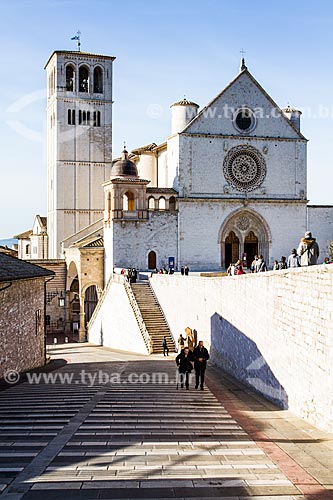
x=79 y=141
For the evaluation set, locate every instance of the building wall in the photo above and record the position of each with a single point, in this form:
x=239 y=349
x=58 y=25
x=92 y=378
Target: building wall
x=273 y=331
x=21 y=342
x=201 y=166
x=320 y=222
x=115 y=315
x=201 y=221
x=128 y=243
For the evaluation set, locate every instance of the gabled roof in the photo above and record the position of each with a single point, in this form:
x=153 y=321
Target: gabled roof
x=24 y=236
x=42 y=221
x=13 y=269
x=92 y=242
x=261 y=89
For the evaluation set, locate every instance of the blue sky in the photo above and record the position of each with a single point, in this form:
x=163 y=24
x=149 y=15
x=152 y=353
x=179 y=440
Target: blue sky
x=164 y=49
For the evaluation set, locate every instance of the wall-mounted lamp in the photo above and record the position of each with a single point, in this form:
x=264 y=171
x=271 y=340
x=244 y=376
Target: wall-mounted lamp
x=61 y=299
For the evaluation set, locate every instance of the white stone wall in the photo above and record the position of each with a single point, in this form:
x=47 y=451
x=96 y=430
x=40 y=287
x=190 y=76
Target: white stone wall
x=128 y=243
x=201 y=166
x=218 y=119
x=147 y=168
x=115 y=324
x=320 y=223
x=200 y=223
x=273 y=331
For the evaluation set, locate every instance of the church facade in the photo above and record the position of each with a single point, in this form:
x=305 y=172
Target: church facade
x=236 y=175
x=229 y=182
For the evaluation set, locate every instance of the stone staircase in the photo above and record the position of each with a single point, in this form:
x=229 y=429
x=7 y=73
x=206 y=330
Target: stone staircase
x=153 y=317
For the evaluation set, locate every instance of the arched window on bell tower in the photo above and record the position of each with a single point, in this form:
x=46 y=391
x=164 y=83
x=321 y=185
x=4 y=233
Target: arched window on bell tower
x=128 y=201
x=70 y=78
x=83 y=79
x=98 y=80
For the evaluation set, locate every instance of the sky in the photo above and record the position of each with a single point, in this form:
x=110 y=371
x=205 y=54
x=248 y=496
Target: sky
x=164 y=50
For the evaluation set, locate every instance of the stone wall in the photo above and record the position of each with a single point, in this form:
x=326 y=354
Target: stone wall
x=320 y=222
x=114 y=324
x=22 y=326
x=273 y=331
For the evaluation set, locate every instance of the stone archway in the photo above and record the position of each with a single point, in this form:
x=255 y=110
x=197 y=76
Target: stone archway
x=252 y=231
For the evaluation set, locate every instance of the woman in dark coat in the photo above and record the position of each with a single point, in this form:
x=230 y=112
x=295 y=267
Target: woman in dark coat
x=185 y=366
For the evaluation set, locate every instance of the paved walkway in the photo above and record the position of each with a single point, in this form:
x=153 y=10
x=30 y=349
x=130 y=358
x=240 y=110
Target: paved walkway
x=139 y=437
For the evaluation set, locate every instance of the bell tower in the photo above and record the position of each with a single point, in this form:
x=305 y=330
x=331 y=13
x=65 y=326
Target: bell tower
x=79 y=141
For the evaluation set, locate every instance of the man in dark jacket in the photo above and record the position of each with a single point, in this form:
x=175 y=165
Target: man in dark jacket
x=184 y=361
x=201 y=356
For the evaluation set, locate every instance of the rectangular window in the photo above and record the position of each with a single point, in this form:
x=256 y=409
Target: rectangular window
x=80 y=117
x=39 y=322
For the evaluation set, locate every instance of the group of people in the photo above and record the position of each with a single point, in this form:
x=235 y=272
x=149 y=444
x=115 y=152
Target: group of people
x=187 y=360
x=306 y=254
x=131 y=274
x=190 y=356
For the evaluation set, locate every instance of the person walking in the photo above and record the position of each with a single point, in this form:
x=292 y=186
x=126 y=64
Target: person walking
x=181 y=343
x=293 y=259
x=165 y=346
x=308 y=250
x=184 y=362
x=182 y=270
x=186 y=270
x=200 y=356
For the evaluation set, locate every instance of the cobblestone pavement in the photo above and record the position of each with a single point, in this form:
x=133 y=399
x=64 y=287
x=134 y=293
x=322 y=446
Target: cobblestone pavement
x=140 y=437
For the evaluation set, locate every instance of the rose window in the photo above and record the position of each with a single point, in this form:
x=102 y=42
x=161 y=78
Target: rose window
x=244 y=168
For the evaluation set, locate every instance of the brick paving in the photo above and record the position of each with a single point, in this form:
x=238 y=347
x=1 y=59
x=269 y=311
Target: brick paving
x=148 y=440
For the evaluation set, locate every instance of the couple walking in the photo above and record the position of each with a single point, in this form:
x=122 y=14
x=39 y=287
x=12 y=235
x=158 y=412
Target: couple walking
x=185 y=360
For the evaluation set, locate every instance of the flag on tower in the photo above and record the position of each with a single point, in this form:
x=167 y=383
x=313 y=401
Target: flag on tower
x=76 y=37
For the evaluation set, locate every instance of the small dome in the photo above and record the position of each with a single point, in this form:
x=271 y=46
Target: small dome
x=124 y=167
x=184 y=102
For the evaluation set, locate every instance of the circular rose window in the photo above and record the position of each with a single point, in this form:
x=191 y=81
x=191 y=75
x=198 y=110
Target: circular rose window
x=244 y=168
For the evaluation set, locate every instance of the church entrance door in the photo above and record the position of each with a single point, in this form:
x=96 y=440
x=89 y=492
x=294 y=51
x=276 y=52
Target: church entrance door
x=152 y=260
x=231 y=249
x=250 y=247
x=90 y=302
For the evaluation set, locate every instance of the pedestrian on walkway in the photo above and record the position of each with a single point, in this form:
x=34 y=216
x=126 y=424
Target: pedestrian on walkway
x=184 y=362
x=181 y=343
x=308 y=250
x=186 y=270
x=201 y=356
x=165 y=346
x=182 y=270
x=293 y=259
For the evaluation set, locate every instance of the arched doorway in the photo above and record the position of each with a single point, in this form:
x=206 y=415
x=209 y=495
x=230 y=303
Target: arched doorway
x=250 y=247
x=90 y=301
x=152 y=260
x=231 y=249
x=244 y=232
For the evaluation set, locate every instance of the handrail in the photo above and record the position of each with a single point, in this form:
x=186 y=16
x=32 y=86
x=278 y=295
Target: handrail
x=137 y=313
x=162 y=312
